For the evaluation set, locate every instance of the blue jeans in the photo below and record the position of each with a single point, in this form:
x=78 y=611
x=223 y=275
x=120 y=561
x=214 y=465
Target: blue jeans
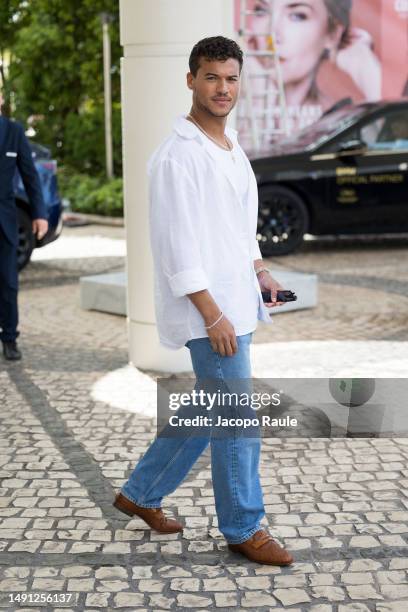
x=234 y=458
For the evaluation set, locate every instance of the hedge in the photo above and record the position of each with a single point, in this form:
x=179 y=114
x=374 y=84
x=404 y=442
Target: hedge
x=92 y=195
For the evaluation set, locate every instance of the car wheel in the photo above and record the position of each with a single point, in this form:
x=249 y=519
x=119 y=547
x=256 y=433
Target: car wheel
x=283 y=219
x=25 y=244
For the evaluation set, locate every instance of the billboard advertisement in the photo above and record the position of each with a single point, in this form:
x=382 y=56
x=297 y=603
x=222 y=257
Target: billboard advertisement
x=328 y=51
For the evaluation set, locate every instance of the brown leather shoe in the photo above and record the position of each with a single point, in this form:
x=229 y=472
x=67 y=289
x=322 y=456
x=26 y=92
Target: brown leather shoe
x=154 y=517
x=262 y=548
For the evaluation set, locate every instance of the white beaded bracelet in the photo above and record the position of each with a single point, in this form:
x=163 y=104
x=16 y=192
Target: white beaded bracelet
x=215 y=322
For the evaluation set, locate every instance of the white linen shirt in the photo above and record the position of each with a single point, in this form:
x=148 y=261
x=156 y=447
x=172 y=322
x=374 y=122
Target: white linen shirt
x=202 y=237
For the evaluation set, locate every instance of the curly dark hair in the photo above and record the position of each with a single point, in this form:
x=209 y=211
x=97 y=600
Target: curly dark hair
x=215 y=48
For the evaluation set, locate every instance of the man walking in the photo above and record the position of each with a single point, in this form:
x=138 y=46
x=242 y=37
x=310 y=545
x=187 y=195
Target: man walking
x=15 y=152
x=208 y=280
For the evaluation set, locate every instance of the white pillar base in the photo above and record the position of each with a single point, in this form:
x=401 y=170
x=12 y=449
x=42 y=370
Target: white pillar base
x=147 y=354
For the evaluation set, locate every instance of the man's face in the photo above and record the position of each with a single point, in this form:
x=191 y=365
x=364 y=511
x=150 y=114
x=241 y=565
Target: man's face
x=215 y=86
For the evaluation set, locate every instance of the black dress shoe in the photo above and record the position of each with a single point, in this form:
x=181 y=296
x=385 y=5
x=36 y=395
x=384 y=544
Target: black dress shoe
x=11 y=352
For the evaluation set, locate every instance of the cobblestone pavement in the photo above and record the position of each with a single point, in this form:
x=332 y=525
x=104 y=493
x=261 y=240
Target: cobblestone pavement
x=341 y=505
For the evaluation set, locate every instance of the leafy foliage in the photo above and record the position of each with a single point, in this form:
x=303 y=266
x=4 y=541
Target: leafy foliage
x=56 y=75
x=13 y=15
x=92 y=195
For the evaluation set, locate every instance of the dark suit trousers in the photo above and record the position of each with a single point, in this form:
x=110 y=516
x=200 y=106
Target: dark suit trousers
x=8 y=289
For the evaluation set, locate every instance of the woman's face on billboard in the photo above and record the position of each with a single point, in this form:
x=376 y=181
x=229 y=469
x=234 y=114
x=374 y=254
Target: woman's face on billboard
x=301 y=34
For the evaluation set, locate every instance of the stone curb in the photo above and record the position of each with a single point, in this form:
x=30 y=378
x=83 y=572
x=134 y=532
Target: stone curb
x=73 y=218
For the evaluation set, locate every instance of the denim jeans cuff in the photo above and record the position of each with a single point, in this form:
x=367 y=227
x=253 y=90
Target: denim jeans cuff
x=245 y=536
x=142 y=505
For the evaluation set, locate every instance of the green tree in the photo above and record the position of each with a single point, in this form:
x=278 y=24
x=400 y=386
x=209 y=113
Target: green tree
x=13 y=15
x=57 y=78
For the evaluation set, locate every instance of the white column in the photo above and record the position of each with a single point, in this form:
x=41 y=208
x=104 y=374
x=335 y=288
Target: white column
x=157 y=36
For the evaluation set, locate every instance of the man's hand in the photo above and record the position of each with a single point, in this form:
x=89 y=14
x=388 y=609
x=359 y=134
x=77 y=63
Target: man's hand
x=222 y=338
x=40 y=227
x=267 y=283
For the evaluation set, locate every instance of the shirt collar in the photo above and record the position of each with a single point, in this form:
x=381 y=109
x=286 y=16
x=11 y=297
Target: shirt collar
x=187 y=129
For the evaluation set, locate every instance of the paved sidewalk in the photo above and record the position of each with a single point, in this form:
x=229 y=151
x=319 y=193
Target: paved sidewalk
x=66 y=445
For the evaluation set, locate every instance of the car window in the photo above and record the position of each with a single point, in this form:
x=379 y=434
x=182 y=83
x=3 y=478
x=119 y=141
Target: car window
x=370 y=132
x=324 y=129
x=335 y=145
x=387 y=133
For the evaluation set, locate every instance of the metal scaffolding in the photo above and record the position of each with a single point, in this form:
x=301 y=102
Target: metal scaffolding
x=264 y=109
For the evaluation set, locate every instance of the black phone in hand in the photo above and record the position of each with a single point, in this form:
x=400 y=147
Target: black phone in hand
x=283 y=295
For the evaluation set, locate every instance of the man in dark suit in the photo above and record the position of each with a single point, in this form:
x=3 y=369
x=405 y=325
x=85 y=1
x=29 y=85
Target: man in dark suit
x=15 y=152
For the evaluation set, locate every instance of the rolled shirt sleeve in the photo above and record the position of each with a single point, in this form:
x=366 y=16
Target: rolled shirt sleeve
x=188 y=281
x=175 y=220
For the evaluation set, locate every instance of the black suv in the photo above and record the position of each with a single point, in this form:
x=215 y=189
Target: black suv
x=345 y=174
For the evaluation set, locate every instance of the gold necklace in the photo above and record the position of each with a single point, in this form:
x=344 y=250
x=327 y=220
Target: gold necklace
x=229 y=146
